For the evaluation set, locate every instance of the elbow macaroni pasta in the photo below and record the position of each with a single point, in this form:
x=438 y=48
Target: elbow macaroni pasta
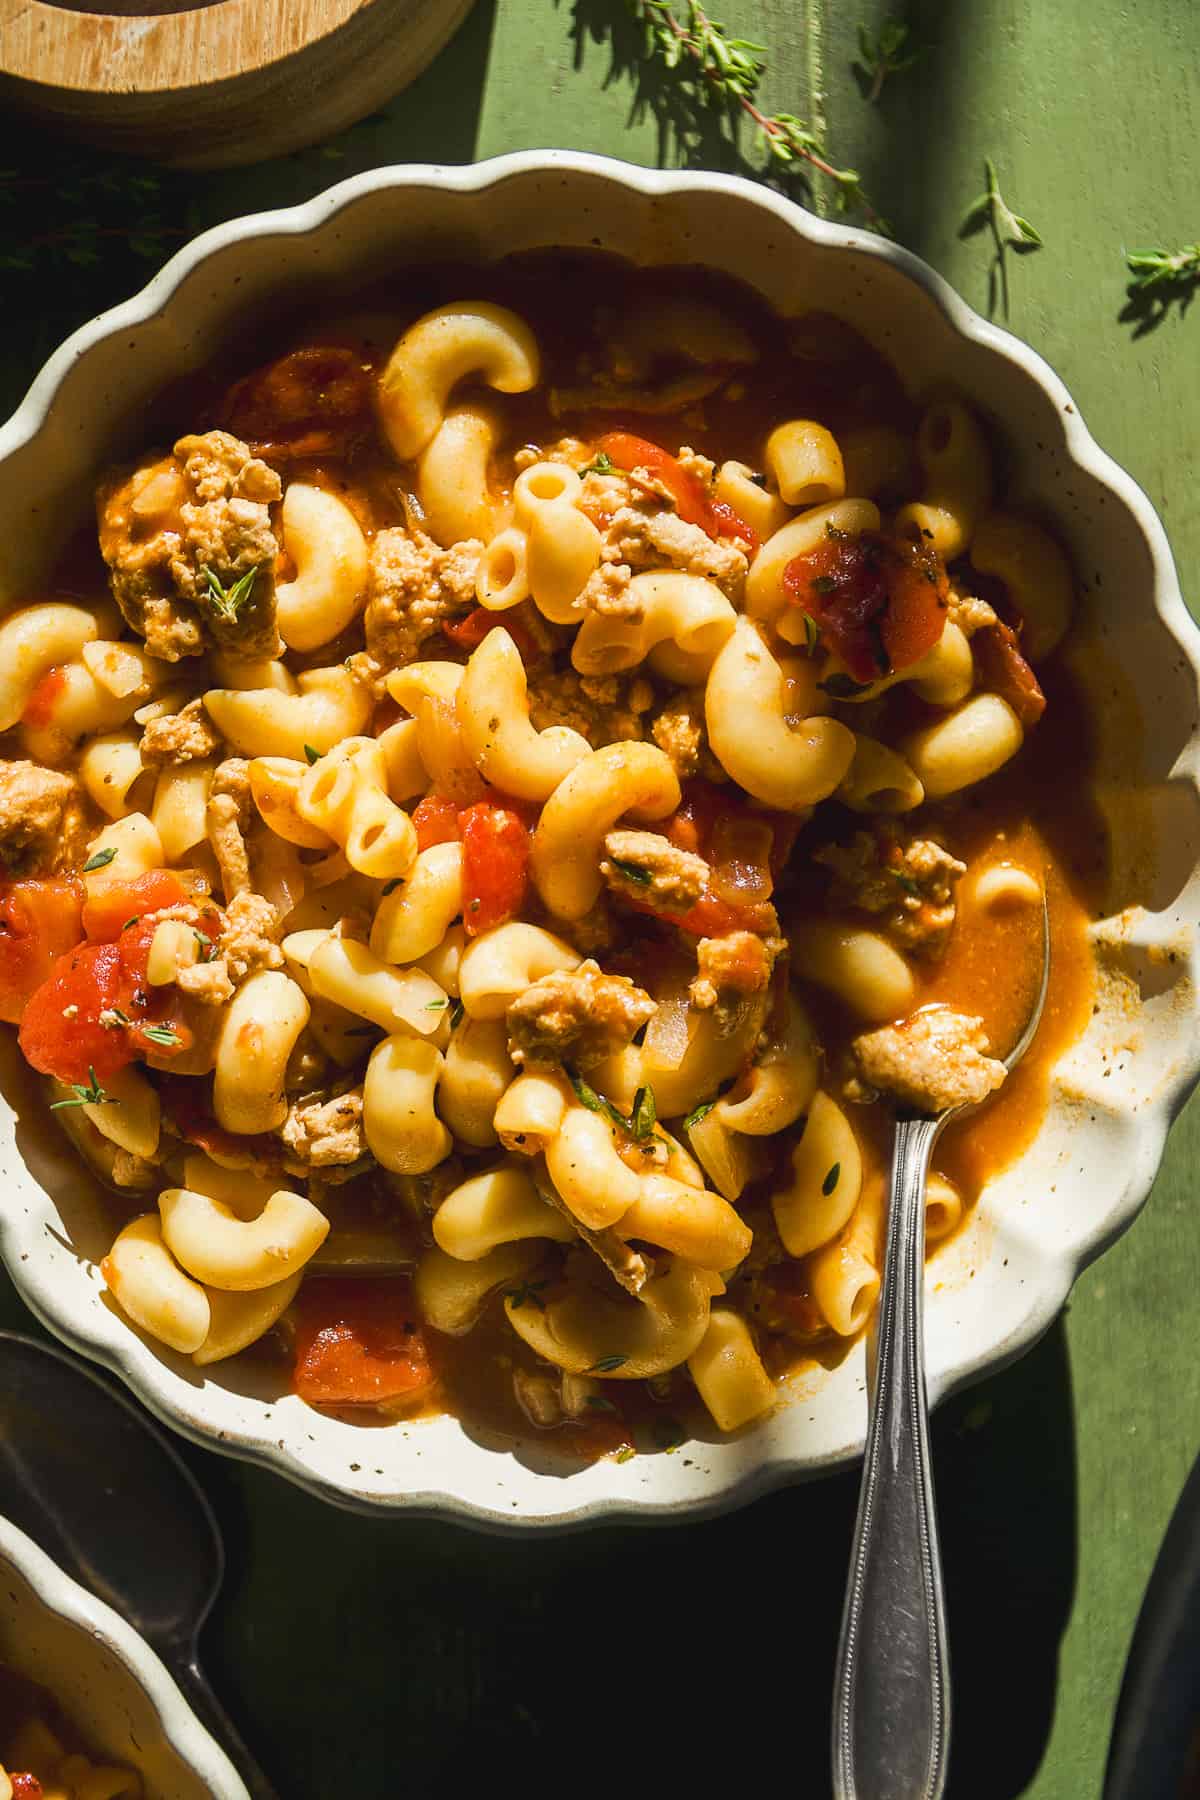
x=497 y=852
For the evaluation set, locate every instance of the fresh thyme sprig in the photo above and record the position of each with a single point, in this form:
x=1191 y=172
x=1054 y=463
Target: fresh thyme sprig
x=228 y=602
x=91 y=1094
x=893 y=51
x=991 y=212
x=1158 y=272
x=730 y=70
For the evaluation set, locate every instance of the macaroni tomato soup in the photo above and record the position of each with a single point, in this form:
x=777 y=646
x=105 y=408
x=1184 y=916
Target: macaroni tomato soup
x=513 y=791
x=40 y=1757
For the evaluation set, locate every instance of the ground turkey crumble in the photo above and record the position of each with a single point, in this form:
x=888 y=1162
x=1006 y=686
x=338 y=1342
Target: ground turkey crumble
x=413 y=586
x=580 y=1017
x=680 y=732
x=245 y=944
x=648 y=868
x=932 y=1061
x=728 y=969
x=605 y=709
x=167 y=526
x=322 y=1132
x=182 y=737
x=907 y=886
x=41 y=818
x=229 y=815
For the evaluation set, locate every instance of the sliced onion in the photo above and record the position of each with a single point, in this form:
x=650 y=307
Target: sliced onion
x=724 y=1155
x=668 y=1033
x=741 y=856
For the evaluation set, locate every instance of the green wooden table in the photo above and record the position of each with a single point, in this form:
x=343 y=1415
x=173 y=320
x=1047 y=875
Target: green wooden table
x=386 y=1658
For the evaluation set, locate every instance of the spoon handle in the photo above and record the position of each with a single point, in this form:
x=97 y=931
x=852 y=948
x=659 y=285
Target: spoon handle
x=212 y=1715
x=891 y=1711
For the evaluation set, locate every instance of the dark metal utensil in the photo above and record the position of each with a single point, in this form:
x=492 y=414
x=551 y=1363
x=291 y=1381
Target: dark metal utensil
x=891 y=1695
x=91 y=1480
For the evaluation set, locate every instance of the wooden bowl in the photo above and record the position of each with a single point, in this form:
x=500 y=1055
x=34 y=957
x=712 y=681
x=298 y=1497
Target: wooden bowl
x=202 y=87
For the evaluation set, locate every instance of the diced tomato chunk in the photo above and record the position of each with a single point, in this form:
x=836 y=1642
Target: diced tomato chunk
x=692 y=503
x=26 y=1786
x=469 y=633
x=61 y=1033
x=1004 y=671
x=105 y=913
x=315 y=401
x=359 y=1342
x=39 y=922
x=694 y=826
x=879 y=601
x=436 y=821
x=95 y=1008
x=495 y=843
x=39 y=708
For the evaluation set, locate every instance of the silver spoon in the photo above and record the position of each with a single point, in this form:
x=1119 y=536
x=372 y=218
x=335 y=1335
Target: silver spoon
x=86 y=1475
x=891 y=1694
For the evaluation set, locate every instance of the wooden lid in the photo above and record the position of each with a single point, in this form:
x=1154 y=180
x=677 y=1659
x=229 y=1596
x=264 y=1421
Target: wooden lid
x=232 y=81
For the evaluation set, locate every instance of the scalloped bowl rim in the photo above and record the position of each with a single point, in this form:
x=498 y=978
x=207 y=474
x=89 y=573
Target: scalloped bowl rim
x=63 y=1596
x=128 y=1359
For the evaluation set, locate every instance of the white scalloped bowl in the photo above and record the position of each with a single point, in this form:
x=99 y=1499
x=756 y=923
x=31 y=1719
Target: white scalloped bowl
x=997 y=1286
x=110 y=1685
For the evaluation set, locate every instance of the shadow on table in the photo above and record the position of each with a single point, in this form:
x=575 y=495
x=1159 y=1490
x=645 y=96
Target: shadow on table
x=674 y=1655
x=82 y=229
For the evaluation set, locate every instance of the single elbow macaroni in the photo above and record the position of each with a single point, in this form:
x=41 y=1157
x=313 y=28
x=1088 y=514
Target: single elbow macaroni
x=179 y=810
x=530 y=1112
x=502 y=578
x=451 y=1293
x=342 y=795
x=401 y=1127
x=238 y=1320
x=780 y=1085
x=966 y=746
x=689 y=1222
x=413 y=919
x=33 y=640
x=452 y=475
x=588 y=1174
x=1034 y=568
x=563 y=550
x=879 y=780
x=137 y=847
x=493 y=714
x=498 y=966
x=957 y=466
x=589 y=1328
x=152 y=1290
x=441 y=349
x=325 y=541
x=806 y=463
x=258 y=1034
x=677 y=617
x=330 y=705
x=215 y=1246
x=825 y=1182
x=750 y=498
x=568 y=842
x=110 y=769
x=744 y=709
x=347 y=973
x=476 y=1074
x=500 y=1207
x=729 y=1374
x=861 y=967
